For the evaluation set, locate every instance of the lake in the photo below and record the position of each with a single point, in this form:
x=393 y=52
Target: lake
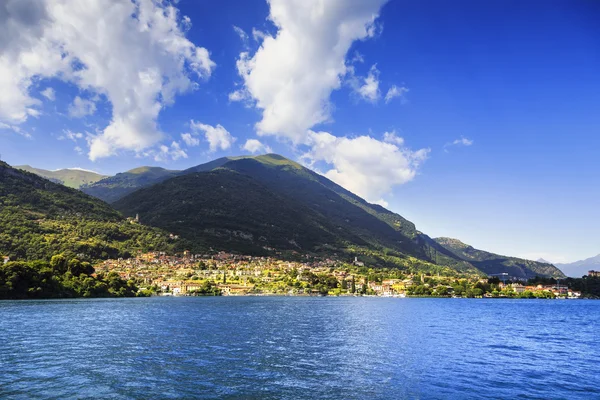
x=300 y=347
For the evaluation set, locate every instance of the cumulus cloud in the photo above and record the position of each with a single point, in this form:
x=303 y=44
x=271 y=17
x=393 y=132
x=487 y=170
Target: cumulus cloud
x=369 y=89
x=258 y=35
x=238 y=95
x=292 y=74
x=364 y=165
x=256 y=146
x=139 y=64
x=190 y=140
x=217 y=136
x=396 y=91
x=165 y=153
x=392 y=137
x=49 y=93
x=81 y=107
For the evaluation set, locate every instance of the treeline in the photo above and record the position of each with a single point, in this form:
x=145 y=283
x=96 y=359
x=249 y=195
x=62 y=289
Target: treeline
x=59 y=278
x=31 y=236
x=589 y=286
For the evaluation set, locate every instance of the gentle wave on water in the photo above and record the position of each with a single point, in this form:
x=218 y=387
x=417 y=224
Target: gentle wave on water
x=298 y=347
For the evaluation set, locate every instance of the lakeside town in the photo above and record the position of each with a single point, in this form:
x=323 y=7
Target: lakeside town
x=156 y=273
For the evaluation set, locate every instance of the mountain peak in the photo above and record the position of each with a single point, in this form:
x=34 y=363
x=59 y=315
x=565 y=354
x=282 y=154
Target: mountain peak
x=276 y=160
x=451 y=242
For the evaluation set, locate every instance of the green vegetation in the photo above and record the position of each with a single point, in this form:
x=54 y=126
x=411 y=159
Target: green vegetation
x=228 y=211
x=73 y=178
x=251 y=204
x=208 y=288
x=589 y=286
x=39 y=219
x=59 y=278
x=491 y=263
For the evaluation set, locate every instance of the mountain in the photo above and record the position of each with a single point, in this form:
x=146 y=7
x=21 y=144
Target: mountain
x=491 y=263
x=39 y=219
x=115 y=187
x=252 y=204
x=578 y=269
x=71 y=177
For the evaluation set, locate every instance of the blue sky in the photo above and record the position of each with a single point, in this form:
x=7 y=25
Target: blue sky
x=492 y=137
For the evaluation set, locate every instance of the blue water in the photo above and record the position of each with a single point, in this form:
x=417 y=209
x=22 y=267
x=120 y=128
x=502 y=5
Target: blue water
x=298 y=347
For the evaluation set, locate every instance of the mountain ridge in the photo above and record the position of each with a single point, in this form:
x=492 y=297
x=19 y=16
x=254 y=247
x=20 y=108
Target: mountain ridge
x=358 y=227
x=70 y=177
x=580 y=268
x=496 y=264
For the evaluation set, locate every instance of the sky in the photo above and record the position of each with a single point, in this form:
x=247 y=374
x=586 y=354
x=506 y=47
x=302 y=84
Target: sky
x=475 y=120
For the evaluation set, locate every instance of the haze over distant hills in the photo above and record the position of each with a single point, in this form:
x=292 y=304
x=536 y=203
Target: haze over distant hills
x=115 y=187
x=71 y=177
x=579 y=268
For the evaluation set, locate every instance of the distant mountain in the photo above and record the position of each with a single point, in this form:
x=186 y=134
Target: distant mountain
x=39 y=219
x=578 y=269
x=71 y=177
x=491 y=263
x=115 y=187
x=248 y=204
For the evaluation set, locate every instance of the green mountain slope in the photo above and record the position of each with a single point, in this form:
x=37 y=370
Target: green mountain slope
x=249 y=203
x=115 y=187
x=373 y=224
x=229 y=211
x=71 y=177
x=491 y=263
x=39 y=219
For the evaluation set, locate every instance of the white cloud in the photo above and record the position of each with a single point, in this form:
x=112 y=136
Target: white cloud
x=256 y=146
x=79 y=151
x=258 y=35
x=396 y=91
x=81 y=169
x=81 y=107
x=462 y=142
x=217 y=136
x=364 y=165
x=49 y=93
x=369 y=90
x=165 y=153
x=139 y=64
x=190 y=140
x=70 y=135
x=238 y=95
x=292 y=74
x=15 y=129
x=240 y=32
x=392 y=137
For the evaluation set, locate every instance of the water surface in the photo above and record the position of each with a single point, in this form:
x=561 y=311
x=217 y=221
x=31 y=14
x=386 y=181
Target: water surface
x=299 y=347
